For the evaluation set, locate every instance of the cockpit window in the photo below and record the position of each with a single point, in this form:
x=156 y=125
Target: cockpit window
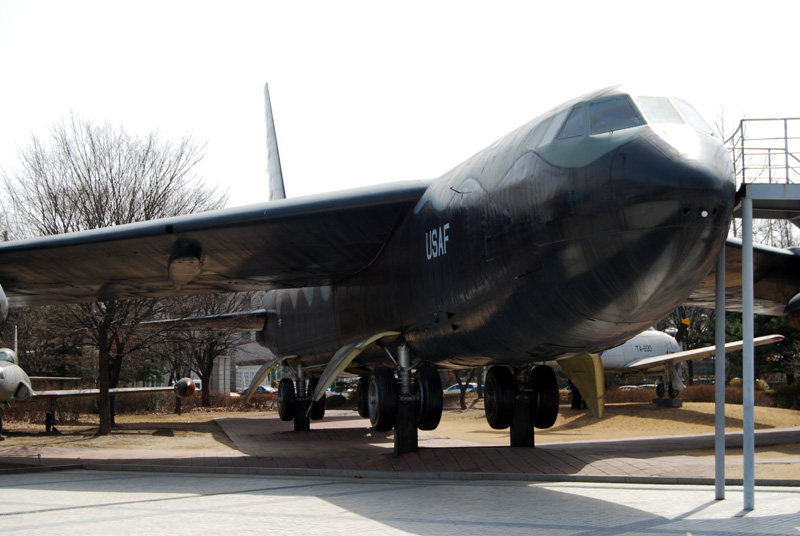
x=538 y=133
x=693 y=117
x=660 y=110
x=8 y=356
x=613 y=114
x=573 y=126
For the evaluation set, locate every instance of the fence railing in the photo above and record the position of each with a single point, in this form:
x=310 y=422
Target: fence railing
x=766 y=151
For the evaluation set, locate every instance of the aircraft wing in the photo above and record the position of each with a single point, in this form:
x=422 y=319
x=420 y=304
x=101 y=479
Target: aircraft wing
x=678 y=357
x=776 y=279
x=72 y=393
x=183 y=388
x=314 y=240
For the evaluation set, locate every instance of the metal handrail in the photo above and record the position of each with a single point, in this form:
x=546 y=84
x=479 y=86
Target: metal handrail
x=759 y=162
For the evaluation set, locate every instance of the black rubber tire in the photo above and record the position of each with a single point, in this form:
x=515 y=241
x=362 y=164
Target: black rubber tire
x=545 y=389
x=382 y=399
x=431 y=398
x=287 y=401
x=361 y=397
x=660 y=389
x=318 y=407
x=499 y=397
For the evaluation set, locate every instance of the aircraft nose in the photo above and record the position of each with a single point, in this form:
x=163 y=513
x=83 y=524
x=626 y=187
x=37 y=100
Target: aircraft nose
x=677 y=178
x=706 y=173
x=674 y=207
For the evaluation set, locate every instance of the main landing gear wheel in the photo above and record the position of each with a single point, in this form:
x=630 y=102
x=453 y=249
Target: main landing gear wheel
x=545 y=389
x=361 y=397
x=499 y=395
x=318 y=407
x=286 y=399
x=382 y=399
x=431 y=399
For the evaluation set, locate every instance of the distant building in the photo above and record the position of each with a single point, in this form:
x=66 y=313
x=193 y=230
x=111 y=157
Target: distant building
x=234 y=372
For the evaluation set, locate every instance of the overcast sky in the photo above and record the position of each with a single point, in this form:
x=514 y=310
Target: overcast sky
x=368 y=92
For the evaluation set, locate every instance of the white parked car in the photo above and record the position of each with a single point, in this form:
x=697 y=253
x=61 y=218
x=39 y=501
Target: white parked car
x=471 y=388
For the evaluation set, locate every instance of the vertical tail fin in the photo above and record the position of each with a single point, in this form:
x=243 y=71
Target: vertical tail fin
x=276 y=190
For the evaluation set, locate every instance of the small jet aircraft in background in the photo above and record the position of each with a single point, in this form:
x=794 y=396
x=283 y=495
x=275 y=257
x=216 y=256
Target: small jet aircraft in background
x=15 y=388
x=656 y=353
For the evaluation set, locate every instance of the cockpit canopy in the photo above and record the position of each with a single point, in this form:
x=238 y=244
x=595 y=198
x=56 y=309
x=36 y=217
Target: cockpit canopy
x=8 y=356
x=608 y=113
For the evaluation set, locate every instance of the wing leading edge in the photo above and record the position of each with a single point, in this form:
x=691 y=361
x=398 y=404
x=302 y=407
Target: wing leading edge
x=73 y=393
x=646 y=363
x=307 y=241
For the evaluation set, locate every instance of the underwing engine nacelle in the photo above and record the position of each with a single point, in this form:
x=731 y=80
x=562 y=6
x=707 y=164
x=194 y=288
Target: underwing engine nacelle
x=184 y=388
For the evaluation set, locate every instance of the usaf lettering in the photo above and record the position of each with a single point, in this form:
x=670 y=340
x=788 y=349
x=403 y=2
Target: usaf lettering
x=436 y=241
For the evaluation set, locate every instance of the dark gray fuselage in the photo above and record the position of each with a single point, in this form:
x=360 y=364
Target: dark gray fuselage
x=529 y=251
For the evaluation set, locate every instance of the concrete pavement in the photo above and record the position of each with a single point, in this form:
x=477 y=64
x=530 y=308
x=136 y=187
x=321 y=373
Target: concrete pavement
x=341 y=477
x=105 y=502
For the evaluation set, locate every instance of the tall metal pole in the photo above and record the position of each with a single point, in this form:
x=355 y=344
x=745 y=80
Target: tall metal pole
x=719 y=380
x=786 y=147
x=748 y=360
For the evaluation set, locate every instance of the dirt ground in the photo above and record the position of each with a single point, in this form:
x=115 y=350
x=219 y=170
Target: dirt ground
x=197 y=429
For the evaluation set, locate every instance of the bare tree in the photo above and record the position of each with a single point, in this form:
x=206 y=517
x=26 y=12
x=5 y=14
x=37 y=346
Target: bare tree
x=464 y=383
x=203 y=347
x=46 y=344
x=91 y=176
x=88 y=176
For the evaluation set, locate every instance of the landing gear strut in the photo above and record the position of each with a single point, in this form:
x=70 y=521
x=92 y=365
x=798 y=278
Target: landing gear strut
x=405 y=433
x=294 y=398
x=521 y=400
x=408 y=403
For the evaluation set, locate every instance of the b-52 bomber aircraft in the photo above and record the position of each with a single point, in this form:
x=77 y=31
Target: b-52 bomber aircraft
x=566 y=237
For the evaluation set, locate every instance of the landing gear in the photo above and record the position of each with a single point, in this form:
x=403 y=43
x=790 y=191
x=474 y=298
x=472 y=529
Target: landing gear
x=430 y=399
x=382 y=399
x=406 y=403
x=50 y=418
x=362 y=402
x=666 y=390
x=671 y=383
x=521 y=400
x=317 y=407
x=50 y=423
x=499 y=393
x=293 y=407
x=545 y=389
x=287 y=401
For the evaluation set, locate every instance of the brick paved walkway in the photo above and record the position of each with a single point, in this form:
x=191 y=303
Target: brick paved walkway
x=344 y=442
